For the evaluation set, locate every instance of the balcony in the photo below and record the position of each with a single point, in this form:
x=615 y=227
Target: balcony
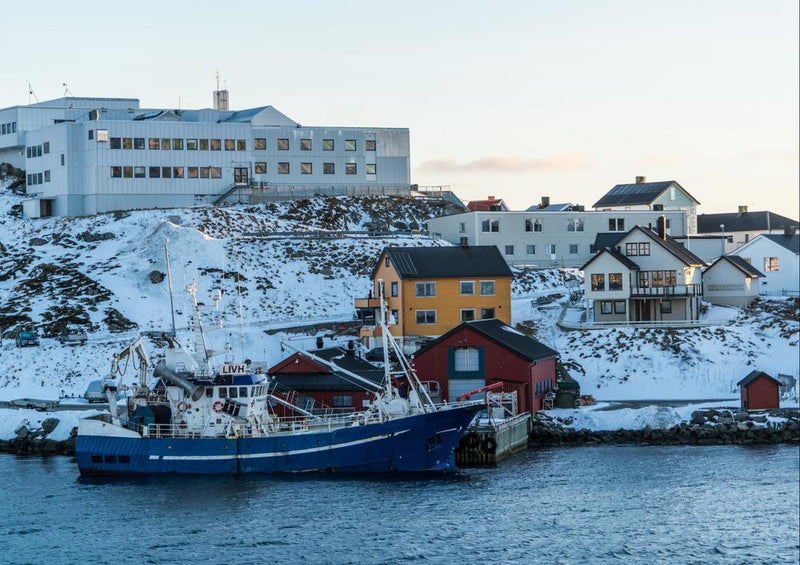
x=664 y=291
x=367 y=303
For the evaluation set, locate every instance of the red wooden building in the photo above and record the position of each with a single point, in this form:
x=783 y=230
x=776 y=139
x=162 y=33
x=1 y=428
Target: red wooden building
x=483 y=352
x=759 y=391
x=321 y=384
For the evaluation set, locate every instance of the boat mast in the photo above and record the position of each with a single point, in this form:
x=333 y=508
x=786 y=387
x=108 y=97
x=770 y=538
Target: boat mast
x=169 y=282
x=387 y=369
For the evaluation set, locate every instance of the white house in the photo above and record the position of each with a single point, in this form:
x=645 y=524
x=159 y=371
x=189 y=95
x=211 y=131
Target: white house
x=731 y=281
x=778 y=257
x=740 y=227
x=645 y=277
x=90 y=155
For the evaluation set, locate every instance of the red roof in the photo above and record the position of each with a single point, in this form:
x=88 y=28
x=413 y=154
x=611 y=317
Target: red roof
x=486 y=205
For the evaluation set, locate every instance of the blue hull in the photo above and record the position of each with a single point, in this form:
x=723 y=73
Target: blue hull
x=413 y=444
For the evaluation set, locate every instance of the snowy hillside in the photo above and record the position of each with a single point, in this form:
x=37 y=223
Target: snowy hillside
x=275 y=266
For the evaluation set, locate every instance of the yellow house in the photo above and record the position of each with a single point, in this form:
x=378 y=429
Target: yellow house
x=431 y=290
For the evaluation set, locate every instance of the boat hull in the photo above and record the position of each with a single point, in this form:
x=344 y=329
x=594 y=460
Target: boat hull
x=421 y=443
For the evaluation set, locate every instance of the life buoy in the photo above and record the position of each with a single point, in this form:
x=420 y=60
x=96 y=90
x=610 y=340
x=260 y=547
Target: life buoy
x=184 y=406
x=218 y=406
x=489 y=445
x=472 y=440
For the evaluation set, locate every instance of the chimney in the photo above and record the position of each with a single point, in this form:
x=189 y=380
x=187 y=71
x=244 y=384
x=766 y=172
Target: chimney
x=545 y=202
x=742 y=210
x=641 y=180
x=788 y=230
x=662 y=227
x=491 y=198
x=320 y=342
x=464 y=241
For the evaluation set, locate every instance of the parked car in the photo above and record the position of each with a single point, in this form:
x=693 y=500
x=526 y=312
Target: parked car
x=27 y=338
x=75 y=338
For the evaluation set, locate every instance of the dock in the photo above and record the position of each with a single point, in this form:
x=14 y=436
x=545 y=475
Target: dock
x=489 y=441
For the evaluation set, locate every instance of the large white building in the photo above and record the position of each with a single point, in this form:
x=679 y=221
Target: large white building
x=89 y=155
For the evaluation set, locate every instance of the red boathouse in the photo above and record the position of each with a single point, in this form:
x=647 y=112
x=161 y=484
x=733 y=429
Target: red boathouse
x=759 y=391
x=482 y=352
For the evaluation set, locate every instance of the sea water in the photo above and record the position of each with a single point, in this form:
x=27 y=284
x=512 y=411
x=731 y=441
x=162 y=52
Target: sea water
x=610 y=504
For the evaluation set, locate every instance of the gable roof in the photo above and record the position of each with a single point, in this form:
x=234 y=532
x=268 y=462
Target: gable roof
x=607 y=239
x=790 y=242
x=503 y=335
x=445 y=262
x=486 y=205
x=672 y=246
x=562 y=207
x=616 y=255
x=637 y=193
x=753 y=375
x=320 y=377
x=746 y=221
x=739 y=263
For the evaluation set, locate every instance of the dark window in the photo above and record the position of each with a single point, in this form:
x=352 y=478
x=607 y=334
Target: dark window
x=191 y=145
x=424 y=289
x=487 y=313
x=261 y=168
x=305 y=168
x=62 y=159
x=666 y=306
x=426 y=317
x=509 y=249
x=111 y=458
x=327 y=145
x=283 y=168
x=177 y=144
x=47 y=176
x=165 y=144
x=127 y=172
x=116 y=172
x=305 y=145
x=177 y=172
x=97 y=458
x=490 y=225
x=394 y=288
x=242 y=392
x=127 y=143
x=155 y=172
x=260 y=144
x=467 y=314
x=91 y=134
x=192 y=172
x=241 y=145
x=203 y=144
x=328 y=168
x=615 y=281
x=283 y=145
x=350 y=169
x=230 y=145
x=215 y=144
x=124 y=459
x=573 y=248
x=223 y=392
x=233 y=392
x=343 y=401
x=619 y=307
x=115 y=143
x=599 y=282
x=166 y=172
x=605 y=307
x=47 y=147
x=204 y=172
x=138 y=143
x=350 y=145
x=369 y=145
x=216 y=172
x=154 y=143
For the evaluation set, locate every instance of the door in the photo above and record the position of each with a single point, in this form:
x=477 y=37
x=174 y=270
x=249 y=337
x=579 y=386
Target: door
x=240 y=176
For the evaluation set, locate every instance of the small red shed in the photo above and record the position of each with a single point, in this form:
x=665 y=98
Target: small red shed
x=482 y=352
x=759 y=391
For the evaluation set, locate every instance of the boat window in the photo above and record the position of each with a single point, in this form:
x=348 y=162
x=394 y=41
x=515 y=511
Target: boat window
x=242 y=392
x=124 y=459
x=97 y=458
x=111 y=458
x=209 y=392
x=233 y=392
x=223 y=392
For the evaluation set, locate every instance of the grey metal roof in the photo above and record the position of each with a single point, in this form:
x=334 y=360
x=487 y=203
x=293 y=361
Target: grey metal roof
x=753 y=375
x=446 y=262
x=739 y=263
x=244 y=116
x=637 y=193
x=607 y=239
x=790 y=242
x=505 y=336
x=746 y=221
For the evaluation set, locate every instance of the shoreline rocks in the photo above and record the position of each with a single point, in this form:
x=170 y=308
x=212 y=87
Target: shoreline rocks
x=706 y=427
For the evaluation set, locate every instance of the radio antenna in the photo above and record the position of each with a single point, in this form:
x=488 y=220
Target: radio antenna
x=31 y=93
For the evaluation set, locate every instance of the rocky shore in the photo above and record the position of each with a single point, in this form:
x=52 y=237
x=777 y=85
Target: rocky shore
x=706 y=427
x=36 y=441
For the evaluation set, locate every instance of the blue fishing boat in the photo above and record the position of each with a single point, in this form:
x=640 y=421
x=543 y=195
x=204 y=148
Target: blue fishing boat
x=196 y=420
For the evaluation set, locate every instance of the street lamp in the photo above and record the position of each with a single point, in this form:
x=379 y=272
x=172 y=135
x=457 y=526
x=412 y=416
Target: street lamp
x=722 y=227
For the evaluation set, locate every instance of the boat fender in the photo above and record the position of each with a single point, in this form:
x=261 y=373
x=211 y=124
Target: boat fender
x=489 y=445
x=218 y=406
x=472 y=440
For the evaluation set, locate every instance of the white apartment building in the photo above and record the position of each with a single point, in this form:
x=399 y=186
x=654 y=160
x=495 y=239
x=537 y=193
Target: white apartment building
x=541 y=238
x=89 y=155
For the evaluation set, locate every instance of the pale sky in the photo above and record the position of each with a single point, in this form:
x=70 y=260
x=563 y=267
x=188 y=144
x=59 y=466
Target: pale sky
x=520 y=100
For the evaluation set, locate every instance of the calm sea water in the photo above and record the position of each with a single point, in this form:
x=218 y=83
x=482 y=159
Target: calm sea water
x=627 y=504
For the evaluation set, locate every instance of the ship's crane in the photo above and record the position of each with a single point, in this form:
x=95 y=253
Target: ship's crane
x=112 y=383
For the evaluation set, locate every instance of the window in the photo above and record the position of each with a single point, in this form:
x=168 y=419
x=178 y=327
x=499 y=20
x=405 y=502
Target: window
x=342 y=401
x=203 y=144
x=328 y=168
x=127 y=172
x=38 y=178
x=138 y=172
x=616 y=224
x=487 y=313
x=771 y=264
x=115 y=143
x=116 y=172
x=62 y=159
x=644 y=249
x=509 y=249
x=462 y=227
x=216 y=172
x=177 y=144
x=47 y=176
x=663 y=278
x=205 y=172
x=615 y=281
x=165 y=144
x=490 y=225
x=631 y=249
x=644 y=279
x=573 y=248
x=350 y=145
x=154 y=143
x=46 y=147
x=371 y=168
x=215 y=144
x=305 y=168
x=394 y=317
x=605 y=306
x=394 y=288
x=530 y=249
x=550 y=249
x=155 y=172
x=223 y=392
x=230 y=145
x=261 y=168
x=599 y=282
x=138 y=143
x=166 y=172
x=467 y=288
x=369 y=145
x=425 y=289
x=13 y=127
x=102 y=136
x=386 y=264
x=350 y=169
x=283 y=168
x=242 y=392
x=327 y=145
x=191 y=145
x=467 y=314
x=283 y=145
x=426 y=317
x=305 y=144
x=177 y=172
x=233 y=392
x=241 y=145
x=666 y=306
x=260 y=144
x=619 y=307
x=487 y=288
x=575 y=224
x=466 y=359
x=3 y=129
x=38 y=150
x=127 y=143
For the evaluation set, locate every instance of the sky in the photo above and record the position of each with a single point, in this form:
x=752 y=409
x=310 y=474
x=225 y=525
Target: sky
x=514 y=99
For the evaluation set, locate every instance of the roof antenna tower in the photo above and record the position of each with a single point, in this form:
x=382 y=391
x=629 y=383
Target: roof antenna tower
x=31 y=93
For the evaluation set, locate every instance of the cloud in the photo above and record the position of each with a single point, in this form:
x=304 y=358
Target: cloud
x=506 y=164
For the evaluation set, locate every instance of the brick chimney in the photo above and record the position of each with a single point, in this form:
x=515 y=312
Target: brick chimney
x=641 y=180
x=545 y=202
x=662 y=227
